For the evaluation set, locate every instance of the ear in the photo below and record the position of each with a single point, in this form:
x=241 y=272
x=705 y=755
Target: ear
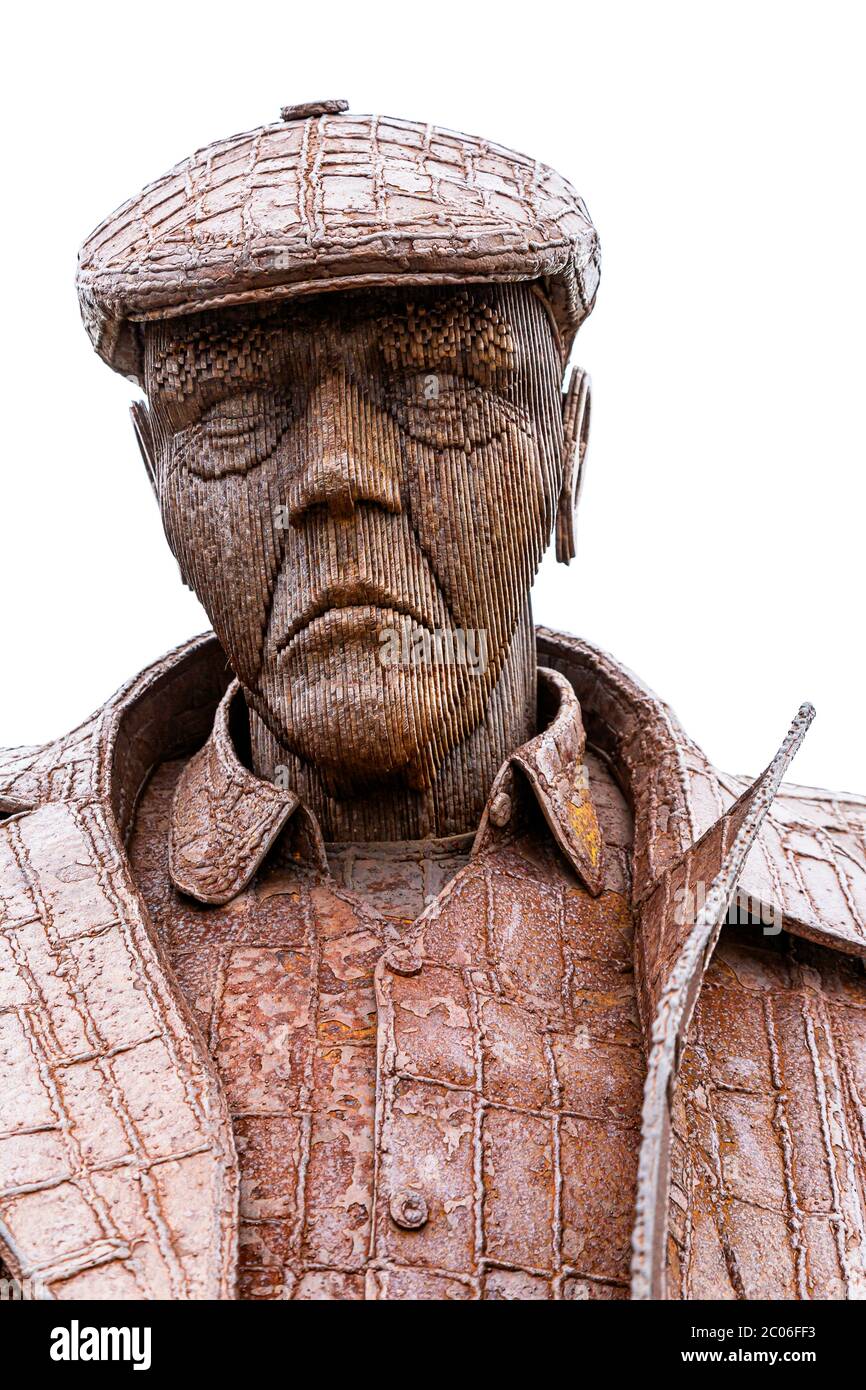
x=143 y=426
x=575 y=418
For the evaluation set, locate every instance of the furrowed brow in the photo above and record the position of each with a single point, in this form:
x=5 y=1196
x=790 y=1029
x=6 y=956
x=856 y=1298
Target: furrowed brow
x=456 y=333
x=178 y=360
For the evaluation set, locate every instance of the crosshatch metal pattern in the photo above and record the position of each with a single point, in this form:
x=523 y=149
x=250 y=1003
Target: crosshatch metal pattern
x=117 y=1171
x=334 y=201
x=768 y=1146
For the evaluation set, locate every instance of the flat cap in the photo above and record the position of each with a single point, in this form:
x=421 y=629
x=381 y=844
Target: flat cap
x=325 y=200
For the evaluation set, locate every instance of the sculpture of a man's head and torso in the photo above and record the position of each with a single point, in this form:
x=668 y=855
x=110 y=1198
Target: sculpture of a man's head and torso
x=343 y=944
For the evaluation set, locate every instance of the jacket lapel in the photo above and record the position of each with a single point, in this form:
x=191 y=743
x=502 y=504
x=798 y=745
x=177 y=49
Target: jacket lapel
x=673 y=951
x=117 y=1167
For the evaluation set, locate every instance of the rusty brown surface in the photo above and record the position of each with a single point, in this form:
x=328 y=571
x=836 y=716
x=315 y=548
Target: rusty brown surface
x=768 y=1127
x=833 y=995
x=283 y=982
x=335 y=201
x=354 y=471
x=680 y=922
x=810 y=857
x=117 y=1167
x=331 y=950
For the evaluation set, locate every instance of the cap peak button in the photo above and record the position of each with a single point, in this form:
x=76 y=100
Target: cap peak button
x=305 y=109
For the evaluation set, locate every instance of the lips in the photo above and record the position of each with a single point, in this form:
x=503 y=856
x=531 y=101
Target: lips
x=352 y=600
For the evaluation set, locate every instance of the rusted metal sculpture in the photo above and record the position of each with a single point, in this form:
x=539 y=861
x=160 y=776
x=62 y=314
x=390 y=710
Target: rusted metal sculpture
x=379 y=946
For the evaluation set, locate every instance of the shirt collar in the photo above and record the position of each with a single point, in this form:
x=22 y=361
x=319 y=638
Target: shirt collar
x=225 y=820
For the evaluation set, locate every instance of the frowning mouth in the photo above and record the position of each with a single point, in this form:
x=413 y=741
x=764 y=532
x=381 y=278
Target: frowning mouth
x=357 y=595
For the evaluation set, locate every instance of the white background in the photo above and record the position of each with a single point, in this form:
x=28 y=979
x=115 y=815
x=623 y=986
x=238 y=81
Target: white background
x=720 y=151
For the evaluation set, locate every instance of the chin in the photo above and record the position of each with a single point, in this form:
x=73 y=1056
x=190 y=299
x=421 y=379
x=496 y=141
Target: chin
x=362 y=725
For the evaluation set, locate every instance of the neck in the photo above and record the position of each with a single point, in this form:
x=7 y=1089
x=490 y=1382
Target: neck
x=455 y=801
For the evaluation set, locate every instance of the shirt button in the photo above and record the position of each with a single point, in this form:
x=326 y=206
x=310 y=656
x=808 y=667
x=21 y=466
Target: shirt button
x=402 y=961
x=408 y=1209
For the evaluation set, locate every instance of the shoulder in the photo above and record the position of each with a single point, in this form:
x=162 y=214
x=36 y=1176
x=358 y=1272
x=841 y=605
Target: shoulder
x=33 y=775
x=811 y=859
x=168 y=704
x=82 y=977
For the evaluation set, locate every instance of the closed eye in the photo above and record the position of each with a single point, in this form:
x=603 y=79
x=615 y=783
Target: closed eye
x=446 y=411
x=233 y=434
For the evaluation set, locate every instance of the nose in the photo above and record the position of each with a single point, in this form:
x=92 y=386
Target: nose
x=351 y=452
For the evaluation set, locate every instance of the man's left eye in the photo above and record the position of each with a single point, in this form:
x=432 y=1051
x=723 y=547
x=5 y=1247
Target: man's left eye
x=448 y=412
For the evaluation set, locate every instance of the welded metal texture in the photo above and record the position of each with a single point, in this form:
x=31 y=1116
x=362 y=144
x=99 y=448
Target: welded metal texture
x=676 y=976
x=330 y=200
x=118 y=1175
x=337 y=949
x=772 y=1066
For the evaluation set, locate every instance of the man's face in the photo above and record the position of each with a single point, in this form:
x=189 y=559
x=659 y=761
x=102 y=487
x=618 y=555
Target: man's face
x=360 y=488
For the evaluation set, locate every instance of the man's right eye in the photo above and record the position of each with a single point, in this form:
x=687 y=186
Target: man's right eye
x=232 y=434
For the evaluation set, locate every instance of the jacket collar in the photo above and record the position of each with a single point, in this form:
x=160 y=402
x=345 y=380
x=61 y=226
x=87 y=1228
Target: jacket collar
x=225 y=820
